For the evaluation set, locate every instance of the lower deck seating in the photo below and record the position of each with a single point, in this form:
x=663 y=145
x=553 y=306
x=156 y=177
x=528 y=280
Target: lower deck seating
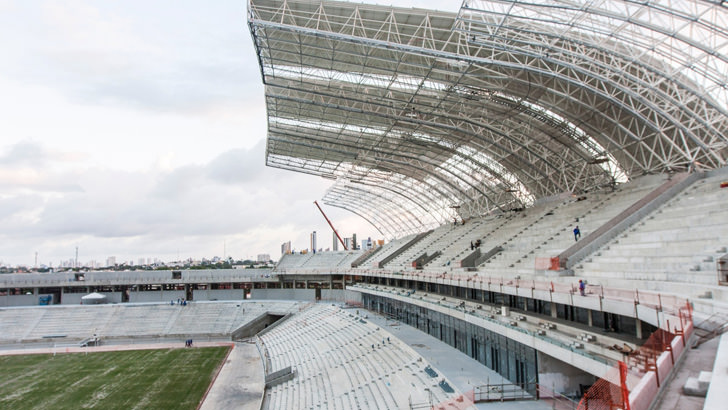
x=75 y=323
x=342 y=361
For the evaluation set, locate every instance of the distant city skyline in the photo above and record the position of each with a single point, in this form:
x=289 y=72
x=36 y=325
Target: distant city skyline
x=141 y=261
x=112 y=261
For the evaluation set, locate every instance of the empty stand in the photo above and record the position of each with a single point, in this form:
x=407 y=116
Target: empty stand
x=674 y=249
x=149 y=321
x=342 y=361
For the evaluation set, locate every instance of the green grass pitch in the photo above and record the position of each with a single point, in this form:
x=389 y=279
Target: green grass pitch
x=140 y=379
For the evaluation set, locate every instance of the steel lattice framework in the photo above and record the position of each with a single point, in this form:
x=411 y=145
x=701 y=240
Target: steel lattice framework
x=421 y=116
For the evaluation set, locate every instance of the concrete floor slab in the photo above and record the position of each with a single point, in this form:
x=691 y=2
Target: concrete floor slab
x=464 y=372
x=240 y=383
x=693 y=362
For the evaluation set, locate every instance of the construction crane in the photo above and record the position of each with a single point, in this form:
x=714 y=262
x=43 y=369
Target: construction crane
x=331 y=225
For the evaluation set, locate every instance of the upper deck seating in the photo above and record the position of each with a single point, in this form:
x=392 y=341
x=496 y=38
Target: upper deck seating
x=674 y=249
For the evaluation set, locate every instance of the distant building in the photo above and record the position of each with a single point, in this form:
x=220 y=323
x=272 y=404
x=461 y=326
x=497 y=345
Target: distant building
x=263 y=257
x=336 y=242
x=367 y=244
x=313 y=242
x=286 y=248
x=111 y=261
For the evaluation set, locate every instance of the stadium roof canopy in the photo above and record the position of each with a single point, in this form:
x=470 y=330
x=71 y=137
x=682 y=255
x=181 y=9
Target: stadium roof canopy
x=420 y=116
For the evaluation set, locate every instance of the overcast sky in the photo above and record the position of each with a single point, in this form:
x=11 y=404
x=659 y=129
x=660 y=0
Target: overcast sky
x=137 y=129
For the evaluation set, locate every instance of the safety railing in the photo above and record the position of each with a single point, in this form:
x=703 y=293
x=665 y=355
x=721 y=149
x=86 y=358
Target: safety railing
x=660 y=302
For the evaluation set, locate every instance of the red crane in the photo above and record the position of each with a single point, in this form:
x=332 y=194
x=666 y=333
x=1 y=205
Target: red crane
x=331 y=225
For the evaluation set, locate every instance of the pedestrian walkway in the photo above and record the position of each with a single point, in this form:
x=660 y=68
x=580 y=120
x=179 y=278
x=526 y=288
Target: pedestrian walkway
x=240 y=383
x=464 y=372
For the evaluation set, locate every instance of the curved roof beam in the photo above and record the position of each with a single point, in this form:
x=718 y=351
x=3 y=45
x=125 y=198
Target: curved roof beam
x=547 y=88
x=434 y=53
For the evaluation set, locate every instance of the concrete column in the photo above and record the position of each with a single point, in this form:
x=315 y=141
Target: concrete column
x=561 y=377
x=638 y=328
x=554 y=313
x=589 y=318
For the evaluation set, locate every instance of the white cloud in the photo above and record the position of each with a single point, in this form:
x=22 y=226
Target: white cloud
x=191 y=208
x=137 y=129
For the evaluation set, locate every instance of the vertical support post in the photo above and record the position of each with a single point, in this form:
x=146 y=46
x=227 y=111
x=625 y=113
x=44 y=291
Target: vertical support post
x=623 y=383
x=638 y=328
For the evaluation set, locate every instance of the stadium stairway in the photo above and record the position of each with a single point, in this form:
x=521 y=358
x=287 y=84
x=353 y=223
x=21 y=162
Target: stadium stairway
x=386 y=250
x=430 y=243
x=449 y=239
x=589 y=214
x=482 y=228
x=546 y=229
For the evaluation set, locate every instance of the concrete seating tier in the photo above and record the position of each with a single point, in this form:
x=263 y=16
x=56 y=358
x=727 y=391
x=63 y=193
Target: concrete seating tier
x=343 y=362
x=319 y=260
x=350 y=257
x=387 y=249
x=456 y=244
x=16 y=323
x=674 y=249
x=74 y=323
x=329 y=259
x=431 y=243
x=552 y=231
x=293 y=260
x=479 y=228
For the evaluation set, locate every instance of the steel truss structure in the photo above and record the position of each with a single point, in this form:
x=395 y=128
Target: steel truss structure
x=423 y=116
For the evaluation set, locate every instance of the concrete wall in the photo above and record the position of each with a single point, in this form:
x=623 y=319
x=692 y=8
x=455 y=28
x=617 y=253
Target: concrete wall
x=283 y=294
x=255 y=326
x=352 y=295
x=333 y=294
x=156 y=296
x=19 y=300
x=717 y=393
x=219 y=294
x=75 y=298
x=561 y=377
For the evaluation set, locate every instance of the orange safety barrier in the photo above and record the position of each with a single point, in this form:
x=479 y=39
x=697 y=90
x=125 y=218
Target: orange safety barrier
x=603 y=395
x=644 y=362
